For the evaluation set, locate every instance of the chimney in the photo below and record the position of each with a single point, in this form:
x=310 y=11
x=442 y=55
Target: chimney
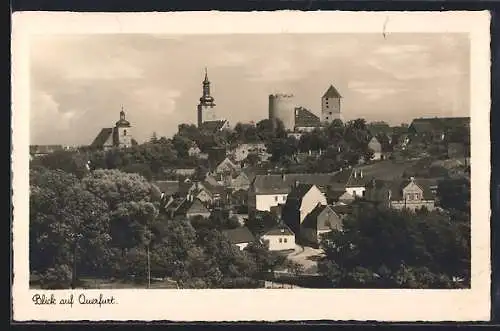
x=296 y=183
x=412 y=179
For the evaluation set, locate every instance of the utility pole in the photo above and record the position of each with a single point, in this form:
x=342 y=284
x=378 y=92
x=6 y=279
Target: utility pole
x=149 y=268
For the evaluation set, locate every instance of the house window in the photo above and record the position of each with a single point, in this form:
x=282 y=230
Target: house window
x=330 y=113
x=276 y=198
x=327 y=117
x=124 y=132
x=281 y=240
x=363 y=193
x=285 y=240
x=354 y=193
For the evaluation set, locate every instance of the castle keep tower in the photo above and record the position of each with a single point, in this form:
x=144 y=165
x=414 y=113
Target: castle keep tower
x=206 y=107
x=330 y=105
x=282 y=107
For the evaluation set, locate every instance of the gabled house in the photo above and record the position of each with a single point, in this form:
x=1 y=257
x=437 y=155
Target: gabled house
x=321 y=219
x=196 y=208
x=342 y=210
x=356 y=184
x=227 y=166
x=279 y=238
x=436 y=128
x=188 y=207
x=240 y=237
x=219 y=194
x=266 y=191
x=243 y=179
x=302 y=199
x=409 y=193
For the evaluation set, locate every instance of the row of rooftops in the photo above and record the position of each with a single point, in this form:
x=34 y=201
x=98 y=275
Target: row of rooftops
x=296 y=185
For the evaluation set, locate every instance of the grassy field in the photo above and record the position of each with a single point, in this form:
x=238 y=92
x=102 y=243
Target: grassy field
x=97 y=283
x=387 y=169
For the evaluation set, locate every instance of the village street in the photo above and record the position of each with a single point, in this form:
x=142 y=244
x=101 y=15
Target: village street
x=307 y=257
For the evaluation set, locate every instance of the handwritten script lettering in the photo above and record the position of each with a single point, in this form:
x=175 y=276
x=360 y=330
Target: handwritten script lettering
x=69 y=300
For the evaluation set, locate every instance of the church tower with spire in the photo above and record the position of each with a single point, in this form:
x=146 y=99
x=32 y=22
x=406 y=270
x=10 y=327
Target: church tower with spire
x=122 y=132
x=206 y=107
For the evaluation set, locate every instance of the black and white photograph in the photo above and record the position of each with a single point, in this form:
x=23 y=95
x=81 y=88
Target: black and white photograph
x=251 y=161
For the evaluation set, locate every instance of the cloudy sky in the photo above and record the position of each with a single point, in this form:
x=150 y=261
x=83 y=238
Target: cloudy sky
x=79 y=83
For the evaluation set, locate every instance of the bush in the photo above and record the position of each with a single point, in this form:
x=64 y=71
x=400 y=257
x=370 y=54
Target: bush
x=57 y=278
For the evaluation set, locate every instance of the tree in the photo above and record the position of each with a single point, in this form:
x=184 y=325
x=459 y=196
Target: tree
x=282 y=149
x=266 y=261
x=261 y=222
x=68 y=161
x=454 y=194
x=114 y=186
x=142 y=169
x=65 y=218
x=223 y=259
x=376 y=245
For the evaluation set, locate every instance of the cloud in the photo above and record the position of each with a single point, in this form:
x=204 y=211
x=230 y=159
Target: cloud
x=401 y=50
x=104 y=70
x=378 y=93
x=79 y=82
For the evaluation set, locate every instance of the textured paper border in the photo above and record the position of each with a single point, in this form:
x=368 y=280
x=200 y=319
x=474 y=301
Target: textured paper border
x=261 y=305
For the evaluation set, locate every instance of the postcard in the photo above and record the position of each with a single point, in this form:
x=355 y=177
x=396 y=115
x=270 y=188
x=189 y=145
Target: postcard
x=263 y=166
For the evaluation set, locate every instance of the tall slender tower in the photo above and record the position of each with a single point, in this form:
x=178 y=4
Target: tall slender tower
x=206 y=107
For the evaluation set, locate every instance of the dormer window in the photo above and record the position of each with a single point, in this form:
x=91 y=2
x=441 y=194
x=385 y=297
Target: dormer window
x=124 y=132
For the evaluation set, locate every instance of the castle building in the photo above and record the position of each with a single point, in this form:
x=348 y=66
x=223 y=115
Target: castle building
x=206 y=107
x=330 y=105
x=118 y=136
